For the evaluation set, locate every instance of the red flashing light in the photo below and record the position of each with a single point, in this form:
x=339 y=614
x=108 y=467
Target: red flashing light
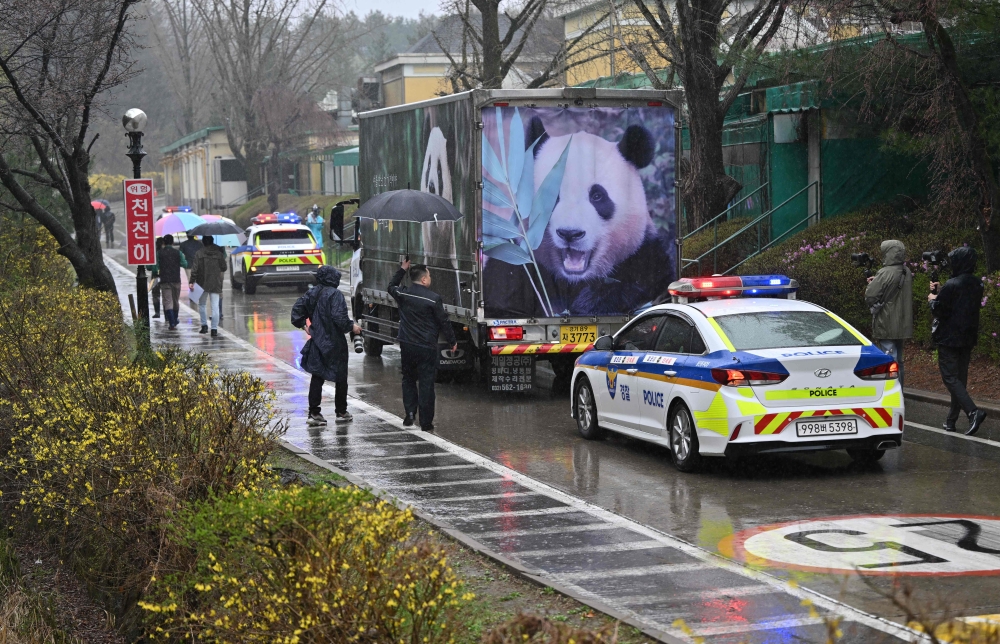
x=658 y=104
x=501 y=104
x=744 y=377
x=506 y=333
x=886 y=371
x=262 y=252
x=719 y=286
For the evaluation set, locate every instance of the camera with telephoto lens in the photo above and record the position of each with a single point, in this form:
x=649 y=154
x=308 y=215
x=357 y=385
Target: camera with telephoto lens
x=938 y=259
x=863 y=260
x=359 y=343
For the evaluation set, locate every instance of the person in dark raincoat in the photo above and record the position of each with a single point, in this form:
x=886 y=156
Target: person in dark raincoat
x=323 y=313
x=955 y=331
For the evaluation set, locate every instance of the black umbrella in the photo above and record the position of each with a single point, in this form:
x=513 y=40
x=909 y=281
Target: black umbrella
x=408 y=205
x=216 y=228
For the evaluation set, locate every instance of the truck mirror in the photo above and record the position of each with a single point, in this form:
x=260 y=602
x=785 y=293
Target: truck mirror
x=337 y=223
x=604 y=343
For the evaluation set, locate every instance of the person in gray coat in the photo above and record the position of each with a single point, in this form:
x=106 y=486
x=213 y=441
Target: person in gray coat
x=209 y=265
x=889 y=296
x=322 y=312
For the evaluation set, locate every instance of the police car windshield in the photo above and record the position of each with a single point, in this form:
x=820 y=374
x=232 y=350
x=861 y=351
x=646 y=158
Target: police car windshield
x=280 y=237
x=784 y=329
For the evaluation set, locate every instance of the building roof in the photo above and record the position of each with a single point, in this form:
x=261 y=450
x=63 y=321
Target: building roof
x=190 y=138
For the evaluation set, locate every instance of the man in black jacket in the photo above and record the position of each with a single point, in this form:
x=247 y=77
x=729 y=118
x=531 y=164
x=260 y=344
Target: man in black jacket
x=421 y=320
x=956 y=330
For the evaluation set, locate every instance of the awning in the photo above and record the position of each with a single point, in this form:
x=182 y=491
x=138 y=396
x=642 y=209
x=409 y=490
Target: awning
x=794 y=98
x=346 y=157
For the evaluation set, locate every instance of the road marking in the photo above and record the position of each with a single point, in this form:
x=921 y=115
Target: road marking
x=902 y=544
x=938 y=430
x=442 y=483
x=516 y=513
x=485 y=497
x=726 y=629
x=389 y=458
x=696 y=595
x=633 y=572
x=368 y=445
x=465 y=466
x=604 y=547
x=589 y=527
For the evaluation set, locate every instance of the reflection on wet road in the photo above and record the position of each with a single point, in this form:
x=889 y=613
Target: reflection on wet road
x=595 y=516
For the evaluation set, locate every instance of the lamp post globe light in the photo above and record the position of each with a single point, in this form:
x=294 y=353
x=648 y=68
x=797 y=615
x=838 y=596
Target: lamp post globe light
x=134 y=120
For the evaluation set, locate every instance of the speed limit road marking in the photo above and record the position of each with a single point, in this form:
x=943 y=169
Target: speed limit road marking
x=901 y=544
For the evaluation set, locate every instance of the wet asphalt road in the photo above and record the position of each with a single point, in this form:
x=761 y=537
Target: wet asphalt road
x=535 y=435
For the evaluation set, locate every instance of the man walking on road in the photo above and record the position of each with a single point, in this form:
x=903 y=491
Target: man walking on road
x=322 y=311
x=890 y=298
x=421 y=320
x=209 y=265
x=956 y=330
x=169 y=262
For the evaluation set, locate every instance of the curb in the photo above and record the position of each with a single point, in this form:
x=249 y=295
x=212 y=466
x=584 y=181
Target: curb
x=944 y=400
x=516 y=568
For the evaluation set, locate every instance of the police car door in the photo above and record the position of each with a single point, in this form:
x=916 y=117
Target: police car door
x=630 y=345
x=659 y=368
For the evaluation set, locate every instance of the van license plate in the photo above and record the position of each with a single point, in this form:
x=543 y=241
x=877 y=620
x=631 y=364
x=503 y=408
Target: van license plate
x=578 y=334
x=286 y=268
x=805 y=428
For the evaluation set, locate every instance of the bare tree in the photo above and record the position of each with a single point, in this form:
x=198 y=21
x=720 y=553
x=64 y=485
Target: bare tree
x=919 y=88
x=256 y=43
x=711 y=44
x=288 y=120
x=181 y=43
x=485 y=42
x=58 y=59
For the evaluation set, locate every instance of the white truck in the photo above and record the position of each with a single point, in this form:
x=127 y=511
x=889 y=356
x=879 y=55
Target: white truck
x=570 y=220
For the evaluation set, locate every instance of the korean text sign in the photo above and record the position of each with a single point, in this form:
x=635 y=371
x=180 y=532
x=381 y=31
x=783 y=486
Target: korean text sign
x=139 y=238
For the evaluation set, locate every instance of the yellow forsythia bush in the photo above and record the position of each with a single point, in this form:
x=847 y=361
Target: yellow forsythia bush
x=306 y=564
x=28 y=255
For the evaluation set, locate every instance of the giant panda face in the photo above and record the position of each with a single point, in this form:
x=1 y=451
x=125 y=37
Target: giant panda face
x=601 y=216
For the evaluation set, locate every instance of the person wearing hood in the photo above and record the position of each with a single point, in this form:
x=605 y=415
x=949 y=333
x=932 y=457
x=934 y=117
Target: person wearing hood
x=209 y=265
x=890 y=299
x=314 y=220
x=956 y=330
x=322 y=312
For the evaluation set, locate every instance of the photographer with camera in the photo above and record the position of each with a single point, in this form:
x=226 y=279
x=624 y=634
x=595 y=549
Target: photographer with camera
x=955 y=330
x=890 y=299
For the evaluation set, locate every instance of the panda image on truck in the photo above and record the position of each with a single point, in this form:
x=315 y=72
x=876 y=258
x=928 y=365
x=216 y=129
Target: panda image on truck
x=602 y=253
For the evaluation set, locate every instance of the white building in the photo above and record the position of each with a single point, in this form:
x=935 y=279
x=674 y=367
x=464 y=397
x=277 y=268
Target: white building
x=201 y=171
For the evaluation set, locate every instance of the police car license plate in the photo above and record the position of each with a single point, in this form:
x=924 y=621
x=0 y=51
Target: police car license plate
x=578 y=334
x=286 y=268
x=806 y=428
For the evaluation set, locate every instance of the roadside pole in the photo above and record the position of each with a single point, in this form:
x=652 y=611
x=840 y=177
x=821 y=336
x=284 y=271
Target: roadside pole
x=139 y=240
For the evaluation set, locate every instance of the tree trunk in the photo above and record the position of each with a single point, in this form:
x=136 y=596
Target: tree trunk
x=492 y=48
x=274 y=177
x=705 y=188
x=92 y=273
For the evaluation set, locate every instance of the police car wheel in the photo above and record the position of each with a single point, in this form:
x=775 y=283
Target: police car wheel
x=684 y=440
x=236 y=286
x=865 y=455
x=250 y=286
x=586 y=412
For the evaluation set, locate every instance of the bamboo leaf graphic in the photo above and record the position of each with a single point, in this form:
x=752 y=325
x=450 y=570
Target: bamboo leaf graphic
x=495 y=195
x=495 y=226
x=526 y=186
x=509 y=253
x=545 y=199
x=515 y=153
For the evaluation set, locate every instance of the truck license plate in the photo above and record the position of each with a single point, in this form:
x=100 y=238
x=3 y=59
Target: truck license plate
x=286 y=268
x=578 y=334
x=806 y=428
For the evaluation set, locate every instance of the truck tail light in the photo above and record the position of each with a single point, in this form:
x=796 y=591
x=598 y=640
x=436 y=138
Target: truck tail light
x=886 y=371
x=744 y=377
x=506 y=333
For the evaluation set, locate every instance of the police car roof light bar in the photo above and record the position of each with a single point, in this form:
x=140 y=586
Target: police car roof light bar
x=718 y=287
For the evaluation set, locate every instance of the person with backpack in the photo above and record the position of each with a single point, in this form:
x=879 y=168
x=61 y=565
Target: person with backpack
x=322 y=312
x=889 y=297
x=169 y=262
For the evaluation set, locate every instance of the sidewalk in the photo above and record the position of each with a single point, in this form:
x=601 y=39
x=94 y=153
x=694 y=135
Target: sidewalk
x=644 y=577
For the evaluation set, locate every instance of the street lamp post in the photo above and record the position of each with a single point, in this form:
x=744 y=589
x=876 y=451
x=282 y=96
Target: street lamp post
x=134 y=120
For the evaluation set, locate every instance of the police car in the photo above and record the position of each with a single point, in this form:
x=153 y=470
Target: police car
x=738 y=365
x=278 y=251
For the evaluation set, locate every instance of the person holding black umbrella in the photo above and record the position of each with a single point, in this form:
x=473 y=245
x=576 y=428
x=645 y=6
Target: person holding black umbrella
x=422 y=319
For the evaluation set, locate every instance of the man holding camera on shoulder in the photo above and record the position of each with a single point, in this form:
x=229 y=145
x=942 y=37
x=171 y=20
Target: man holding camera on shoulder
x=890 y=298
x=956 y=330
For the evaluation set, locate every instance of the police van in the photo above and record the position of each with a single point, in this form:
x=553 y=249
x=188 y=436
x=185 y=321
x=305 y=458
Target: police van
x=279 y=251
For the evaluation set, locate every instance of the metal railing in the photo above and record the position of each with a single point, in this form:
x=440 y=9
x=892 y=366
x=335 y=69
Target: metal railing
x=714 y=223
x=758 y=224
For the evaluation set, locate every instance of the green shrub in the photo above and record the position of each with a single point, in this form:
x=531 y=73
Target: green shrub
x=306 y=564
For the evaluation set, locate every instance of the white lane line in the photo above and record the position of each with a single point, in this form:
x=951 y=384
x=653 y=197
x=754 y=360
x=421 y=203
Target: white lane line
x=937 y=430
x=696 y=595
x=369 y=445
x=588 y=527
x=465 y=466
x=604 y=547
x=642 y=571
x=726 y=629
x=516 y=513
x=484 y=497
x=389 y=458
x=410 y=486
x=819 y=599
